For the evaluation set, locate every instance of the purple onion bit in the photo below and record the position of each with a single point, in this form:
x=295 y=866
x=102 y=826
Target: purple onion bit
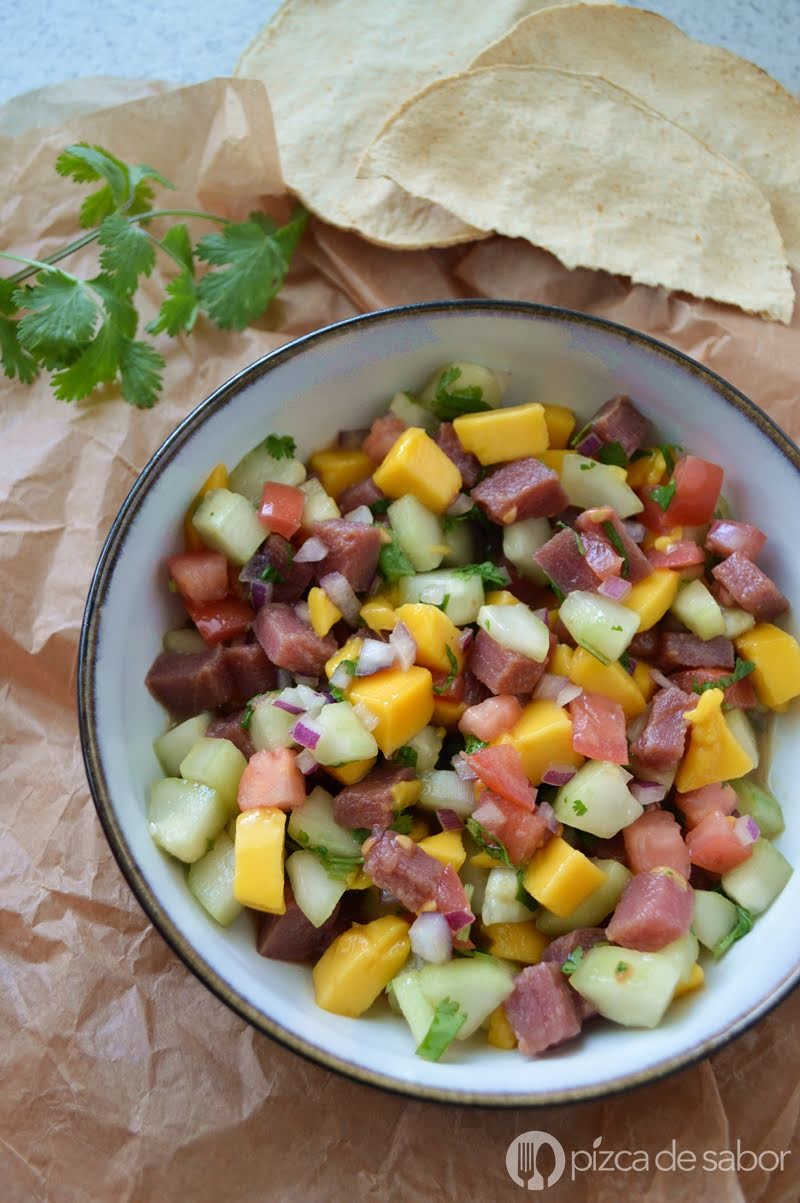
x=590 y=444
x=373 y=657
x=306 y=733
x=404 y=645
x=343 y=596
x=558 y=774
x=449 y=820
x=746 y=830
x=549 y=816
x=615 y=587
x=463 y=767
x=312 y=551
x=648 y=793
x=460 y=918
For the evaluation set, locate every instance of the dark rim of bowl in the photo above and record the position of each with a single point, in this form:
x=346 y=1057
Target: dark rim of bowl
x=93 y=761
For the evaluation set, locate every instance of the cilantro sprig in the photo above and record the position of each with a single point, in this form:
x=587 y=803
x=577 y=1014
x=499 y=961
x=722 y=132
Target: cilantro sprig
x=83 y=330
x=335 y=864
x=741 y=669
x=663 y=494
x=744 y=924
x=492 y=576
x=449 y=680
x=449 y=402
x=448 y=1020
x=488 y=842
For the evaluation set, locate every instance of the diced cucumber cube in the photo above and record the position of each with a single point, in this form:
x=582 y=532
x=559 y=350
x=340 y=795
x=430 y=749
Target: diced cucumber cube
x=319 y=506
x=599 y=624
x=521 y=541
x=412 y=413
x=344 y=737
x=227 y=522
x=313 y=825
x=598 y=800
x=478 y=985
x=755 y=801
x=518 y=629
x=698 y=610
x=632 y=988
x=460 y=543
x=500 y=903
x=461 y=597
x=427 y=744
x=743 y=733
x=737 y=622
x=217 y=763
x=684 y=952
x=443 y=789
x=270 y=726
x=315 y=890
x=589 y=483
x=757 y=882
x=183 y=817
x=211 y=881
x=172 y=747
x=418 y=532
x=185 y=640
x=460 y=377
x=594 y=909
x=714 y=917
x=406 y=989
x=257 y=467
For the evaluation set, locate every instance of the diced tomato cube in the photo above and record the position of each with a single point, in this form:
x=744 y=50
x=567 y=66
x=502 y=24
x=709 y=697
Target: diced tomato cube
x=714 y=845
x=683 y=554
x=697 y=488
x=655 y=839
x=698 y=803
x=272 y=778
x=281 y=508
x=520 y=831
x=220 y=621
x=491 y=718
x=500 y=769
x=598 y=728
x=201 y=576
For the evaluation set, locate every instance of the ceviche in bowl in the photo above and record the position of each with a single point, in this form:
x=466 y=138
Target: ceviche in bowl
x=450 y=737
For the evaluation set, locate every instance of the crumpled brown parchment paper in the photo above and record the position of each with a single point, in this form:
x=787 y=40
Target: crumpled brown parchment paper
x=122 y=1078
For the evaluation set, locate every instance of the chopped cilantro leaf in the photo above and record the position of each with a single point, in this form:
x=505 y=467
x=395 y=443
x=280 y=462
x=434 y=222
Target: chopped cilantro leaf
x=280 y=446
x=522 y=894
x=621 y=967
x=488 y=842
x=579 y=543
x=626 y=662
x=743 y=668
x=473 y=744
x=560 y=595
x=406 y=757
x=489 y=573
x=349 y=666
x=451 y=403
x=642 y=453
x=578 y=438
x=451 y=676
x=360 y=834
x=444 y=603
x=247 y=717
x=272 y=574
x=573 y=961
x=616 y=628
x=336 y=693
x=447 y=1022
x=380 y=506
x=476 y=514
x=663 y=494
x=744 y=924
x=615 y=539
x=403 y=823
x=669 y=451
x=587 y=467
x=336 y=864
x=393 y=563
x=579 y=807
x=613 y=453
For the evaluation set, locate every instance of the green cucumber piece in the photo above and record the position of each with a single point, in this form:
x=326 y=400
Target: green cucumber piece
x=698 y=610
x=412 y=413
x=631 y=988
x=600 y=625
x=500 y=903
x=589 y=483
x=737 y=622
x=742 y=731
x=444 y=789
x=315 y=890
x=490 y=387
x=477 y=984
x=594 y=909
x=227 y=522
x=459 y=540
x=766 y=810
x=757 y=882
x=418 y=532
x=183 y=817
x=714 y=917
x=174 y=745
x=312 y=825
x=344 y=737
x=217 y=763
x=257 y=467
x=427 y=744
x=406 y=990
x=211 y=881
x=319 y=506
x=461 y=597
x=521 y=541
x=597 y=800
x=518 y=629
x=270 y=727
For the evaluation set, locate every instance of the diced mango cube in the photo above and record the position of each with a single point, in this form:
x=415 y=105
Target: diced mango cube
x=350 y=773
x=649 y=470
x=643 y=679
x=611 y=680
x=561 y=660
x=776 y=655
x=378 y=613
x=415 y=464
x=402 y=702
x=434 y=633
x=446 y=712
x=359 y=880
x=501 y=597
x=420 y=829
x=406 y=793
x=714 y=754
x=322 y=613
x=217 y=479
x=516 y=941
x=482 y=860
x=694 y=981
x=501 y=1033
x=359 y=964
x=447 y=847
x=667 y=542
x=258 y=859
x=498 y=435
x=561 y=878
x=560 y=425
x=350 y=651
x=542 y=736
x=340 y=467
x=653 y=596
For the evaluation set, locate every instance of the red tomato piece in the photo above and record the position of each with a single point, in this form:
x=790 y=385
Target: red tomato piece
x=201 y=576
x=272 y=778
x=220 y=621
x=713 y=844
x=491 y=718
x=500 y=769
x=654 y=840
x=598 y=728
x=520 y=831
x=281 y=508
x=697 y=487
x=698 y=803
x=683 y=554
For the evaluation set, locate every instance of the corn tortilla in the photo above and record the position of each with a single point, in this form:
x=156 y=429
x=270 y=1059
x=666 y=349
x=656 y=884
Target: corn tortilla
x=579 y=167
x=727 y=102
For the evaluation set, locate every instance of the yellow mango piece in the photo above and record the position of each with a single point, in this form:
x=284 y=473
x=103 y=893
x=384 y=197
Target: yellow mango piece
x=322 y=613
x=554 y=459
x=641 y=675
x=776 y=655
x=433 y=633
x=611 y=680
x=338 y=468
x=350 y=651
x=350 y=773
x=652 y=597
x=447 y=847
x=500 y=1033
x=416 y=465
x=542 y=736
x=501 y=597
x=713 y=753
x=358 y=880
x=447 y=713
x=516 y=941
x=694 y=981
x=561 y=660
x=561 y=878
x=378 y=613
x=560 y=423
x=482 y=860
x=668 y=541
x=420 y=830
x=359 y=964
x=217 y=479
x=650 y=470
x=258 y=859
x=406 y=793
x=498 y=435
x=402 y=702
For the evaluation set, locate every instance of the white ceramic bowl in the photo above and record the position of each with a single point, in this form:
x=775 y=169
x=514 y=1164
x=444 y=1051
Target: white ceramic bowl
x=341 y=377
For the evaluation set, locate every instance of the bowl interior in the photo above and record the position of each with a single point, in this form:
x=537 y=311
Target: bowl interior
x=342 y=378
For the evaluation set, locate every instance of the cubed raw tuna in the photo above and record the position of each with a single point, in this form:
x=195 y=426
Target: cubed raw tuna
x=500 y=769
x=679 y=650
x=353 y=550
x=542 y=1009
x=365 y=492
x=230 y=727
x=619 y=421
x=655 y=909
x=726 y=537
x=468 y=465
x=594 y=520
x=598 y=728
x=661 y=741
x=714 y=845
x=500 y=669
x=249 y=670
x=564 y=564
x=750 y=588
x=525 y=488
x=520 y=831
x=293 y=937
x=741 y=694
x=698 y=803
x=291 y=643
x=395 y=863
x=371 y=802
x=185 y=684
x=655 y=839
x=384 y=433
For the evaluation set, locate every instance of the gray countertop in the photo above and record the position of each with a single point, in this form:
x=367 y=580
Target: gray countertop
x=46 y=41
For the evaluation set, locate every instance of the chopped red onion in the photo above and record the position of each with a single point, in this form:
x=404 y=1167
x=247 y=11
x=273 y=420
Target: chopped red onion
x=341 y=593
x=549 y=687
x=635 y=531
x=458 y=919
x=463 y=767
x=430 y=937
x=260 y=593
x=302 y=611
x=568 y=694
x=289 y=707
x=589 y=445
x=362 y=513
x=462 y=505
x=341 y=677
x=373 y=657
x=306 y=733
x=558 y=774
x=615 y=587
x=648 y=793
x=306 y=762
x=449 y=820
x=351 y=440
x=746 y=830
x=404 y=645
x=312 y=551
x=465 y=638
x=366 y=716
x=549 y=816
x=660 y=679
